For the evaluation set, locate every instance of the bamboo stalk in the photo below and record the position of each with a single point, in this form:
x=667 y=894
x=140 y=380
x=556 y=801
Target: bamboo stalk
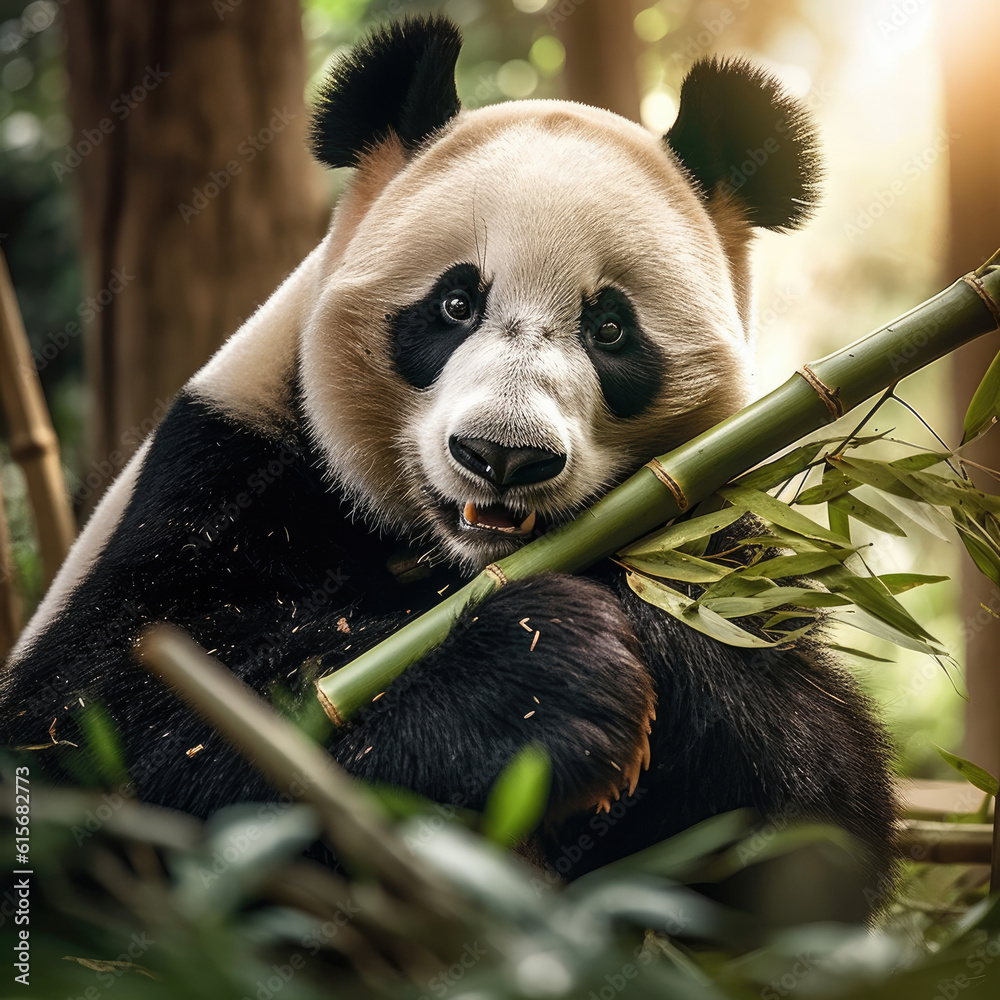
x=815 y=395
x=33 y=442
x=291 y=761
x=10 y=604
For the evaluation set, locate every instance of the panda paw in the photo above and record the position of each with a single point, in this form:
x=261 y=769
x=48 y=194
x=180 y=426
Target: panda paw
x=552 y=660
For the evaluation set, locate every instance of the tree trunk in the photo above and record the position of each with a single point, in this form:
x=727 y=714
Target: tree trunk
x=197 y=194
x=972 y=81
x=601 y=54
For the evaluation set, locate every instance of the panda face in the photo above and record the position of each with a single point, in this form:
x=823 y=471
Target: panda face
x=526 y=311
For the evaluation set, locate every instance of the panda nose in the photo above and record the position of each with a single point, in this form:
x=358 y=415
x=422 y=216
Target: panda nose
x=506 y=466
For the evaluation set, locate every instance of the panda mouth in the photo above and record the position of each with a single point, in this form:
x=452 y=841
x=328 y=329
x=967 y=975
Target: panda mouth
x=496 y=517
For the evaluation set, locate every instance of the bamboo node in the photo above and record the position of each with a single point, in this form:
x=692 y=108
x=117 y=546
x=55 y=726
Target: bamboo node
x=830 y=397
x=328 y=706
x=671 y=484
x=976 y=284
x=497 y=573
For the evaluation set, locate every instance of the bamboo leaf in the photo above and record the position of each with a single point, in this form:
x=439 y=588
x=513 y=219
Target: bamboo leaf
x=682 y=532
x=839 y=521
x=835 y=483
x=983 y=408
x=983 y=554
x=774 y=511
x=685 y=610
x=766 y=477
x=897 y=583
x=673 y=565
x=737 y=584
x=913 y=513
x=519 y=797
x=801 y=564
x=776 y=597
x=877 y=474
x=972 y=773
x=778 y=539
x=920 y=461
x=860 y=511
x=853 y=651
x=783 y=616
x=869 y=594
x=861 y=619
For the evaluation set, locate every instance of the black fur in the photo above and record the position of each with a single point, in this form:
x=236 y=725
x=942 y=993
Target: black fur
x=631 y=371
x=400 y=80
x=423 y=339
x=204 y=545
x=737 y=132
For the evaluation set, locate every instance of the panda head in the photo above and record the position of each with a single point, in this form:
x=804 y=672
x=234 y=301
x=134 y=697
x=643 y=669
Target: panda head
x=521 y=304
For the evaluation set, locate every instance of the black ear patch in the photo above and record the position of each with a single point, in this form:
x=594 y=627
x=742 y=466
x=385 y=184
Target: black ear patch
x=737 y=131
x=401 y=79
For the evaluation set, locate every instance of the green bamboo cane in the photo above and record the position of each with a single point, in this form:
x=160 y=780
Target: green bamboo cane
x=817 y=394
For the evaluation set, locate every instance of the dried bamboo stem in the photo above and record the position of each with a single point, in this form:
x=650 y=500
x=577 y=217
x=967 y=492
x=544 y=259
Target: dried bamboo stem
x=10 y=604
x=33 y=442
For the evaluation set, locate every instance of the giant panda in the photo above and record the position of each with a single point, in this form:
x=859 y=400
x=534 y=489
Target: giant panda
x=515 y=307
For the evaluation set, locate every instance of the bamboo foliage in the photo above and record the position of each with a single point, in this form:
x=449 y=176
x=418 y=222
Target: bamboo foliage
x=33 y=442
x=816 y=395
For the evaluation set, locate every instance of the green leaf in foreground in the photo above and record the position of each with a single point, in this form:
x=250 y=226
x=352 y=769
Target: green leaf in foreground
x=518 y=799
x=101 y=734
x=972 y=773
x=985 y=405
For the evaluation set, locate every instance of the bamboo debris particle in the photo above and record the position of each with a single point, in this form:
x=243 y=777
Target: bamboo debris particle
x=524 y=624
x=534 y=642
x=530 y=714
x=194 y=750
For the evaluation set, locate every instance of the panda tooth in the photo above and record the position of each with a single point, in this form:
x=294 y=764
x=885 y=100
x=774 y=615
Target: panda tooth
x=528 y=523
x=470 y=513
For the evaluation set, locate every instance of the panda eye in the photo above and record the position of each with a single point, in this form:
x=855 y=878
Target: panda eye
x=456 y=306
x=609 y=334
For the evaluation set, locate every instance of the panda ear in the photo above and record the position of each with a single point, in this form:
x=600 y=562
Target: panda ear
x=738 y=133
x=400 y=80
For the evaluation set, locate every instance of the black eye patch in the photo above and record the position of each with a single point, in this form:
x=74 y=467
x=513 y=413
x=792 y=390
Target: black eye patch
x=629 y=365
x=426 y=334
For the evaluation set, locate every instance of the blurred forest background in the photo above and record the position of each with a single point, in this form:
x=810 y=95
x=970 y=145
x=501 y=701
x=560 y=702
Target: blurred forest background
x=155 y=188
